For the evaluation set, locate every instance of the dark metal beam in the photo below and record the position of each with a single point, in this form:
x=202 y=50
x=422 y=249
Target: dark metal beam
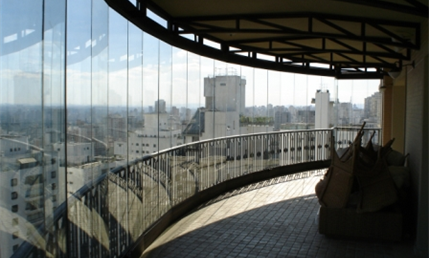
x=307 y=54
x=131 y=13
x=335 y=26
x=358 y=75
x=368 y=39
x=373 y=54
x=351 y=63
x=264 y=16
x=194 y=25
x=387 y=5
x=417 y=4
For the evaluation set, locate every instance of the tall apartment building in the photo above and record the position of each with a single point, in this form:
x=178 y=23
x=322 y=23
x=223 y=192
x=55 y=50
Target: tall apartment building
x=324 y=110
x=225 y=93
x=372 y=108
x=224 y=102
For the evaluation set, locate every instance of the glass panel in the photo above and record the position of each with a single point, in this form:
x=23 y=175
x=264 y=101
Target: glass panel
x=249 y=110
x=261 y=121
x=135 y=93
x=322 y=100
x=177 y=116
x=103 y=162
x=21 y=123
x=135 y=129
x=117 y=128
x=193 y=114
x=79 y=144
x=207 y=72
x=276 y=111
x=355 y=92
x=275 y=107
x=179 y=96
x=302 y=117
x=165 y=122
x=150 y=96
x=219 y=90
x=358 y=101
x=151 y=52
x=53 y=95
x=164 y=102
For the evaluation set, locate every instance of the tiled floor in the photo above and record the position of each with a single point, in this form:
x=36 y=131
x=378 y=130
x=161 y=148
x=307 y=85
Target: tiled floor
x=275 y=218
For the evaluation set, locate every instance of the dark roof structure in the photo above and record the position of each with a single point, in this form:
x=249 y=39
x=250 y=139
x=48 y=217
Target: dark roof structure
x=346 y=39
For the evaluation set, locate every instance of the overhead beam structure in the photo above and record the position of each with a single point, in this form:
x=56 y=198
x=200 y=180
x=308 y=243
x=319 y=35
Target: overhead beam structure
x=317 y=43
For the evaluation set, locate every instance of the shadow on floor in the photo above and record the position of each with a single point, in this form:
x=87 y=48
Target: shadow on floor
x=282 y=229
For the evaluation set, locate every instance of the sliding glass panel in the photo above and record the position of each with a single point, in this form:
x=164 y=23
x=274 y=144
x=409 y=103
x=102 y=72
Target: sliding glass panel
x=135 y=131
x=261 y=121
x=53 y=95
x=246 y=119
x=117 y=128
x=178 y=162
x=22 y=126
x=358 y=101
x=164 y=103
x=275 y=99
x=79 y=120
x=179 y=96
x=150 y=136
x=193 y=114
x=165 y=129
x=207 y=72
x=276 y=114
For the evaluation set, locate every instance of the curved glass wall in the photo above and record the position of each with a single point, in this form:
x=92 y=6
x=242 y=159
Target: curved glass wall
x=84 y=92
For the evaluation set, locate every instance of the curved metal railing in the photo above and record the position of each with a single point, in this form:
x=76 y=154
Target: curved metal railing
x=109 y=215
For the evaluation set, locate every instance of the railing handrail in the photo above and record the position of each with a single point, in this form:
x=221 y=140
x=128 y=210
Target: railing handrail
x=61 y=210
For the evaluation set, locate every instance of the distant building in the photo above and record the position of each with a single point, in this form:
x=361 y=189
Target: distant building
x=117 y=127
x=324 y=108
x=160 y=131
x=281 y=117
x=160 y=106
x=306 y=116
x=175 y=111
x=344 y=113
x=224 y=102
x=372 y=108
x=225 y=93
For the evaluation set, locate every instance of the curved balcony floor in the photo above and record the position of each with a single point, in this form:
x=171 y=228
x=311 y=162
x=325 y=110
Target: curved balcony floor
x=274 y=218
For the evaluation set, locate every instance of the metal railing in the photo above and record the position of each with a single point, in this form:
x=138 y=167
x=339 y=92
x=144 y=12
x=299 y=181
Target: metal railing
x=108 y=216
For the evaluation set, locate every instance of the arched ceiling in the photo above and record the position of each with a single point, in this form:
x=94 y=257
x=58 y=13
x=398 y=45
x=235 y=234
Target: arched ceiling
x=346 y=39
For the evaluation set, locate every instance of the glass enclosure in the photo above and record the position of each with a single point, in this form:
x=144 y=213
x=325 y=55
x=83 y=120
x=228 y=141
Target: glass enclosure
x=84 y=93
